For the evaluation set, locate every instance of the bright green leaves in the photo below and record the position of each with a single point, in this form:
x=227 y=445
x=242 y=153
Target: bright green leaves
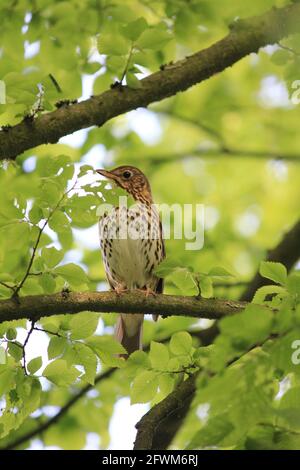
x=34 y=365
x=154 y=38
x=212 y=433
x=155 y=374
x=52 y=256
x=22 y=393
x=132 y=81
x=274 y=271
x=107 y=348
x=134 y=29
x=181 y=343
x=287 y=291
x=188 y=281
x=59 y=373
x=251 y=326
x=130 y=44
x=84 y=356
x=144 y=387
x=83 y=325
x=281 y=57
x=7 y=377
x=159 y=355
x=59 y=222
x=56 y=347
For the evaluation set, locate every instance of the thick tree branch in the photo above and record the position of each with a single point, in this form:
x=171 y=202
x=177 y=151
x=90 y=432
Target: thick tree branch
x=286 y=252
x=34 y=307
x=246 y=36
x=171 y=411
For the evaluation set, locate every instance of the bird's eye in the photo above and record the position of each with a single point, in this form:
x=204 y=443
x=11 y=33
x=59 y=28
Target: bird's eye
x=127 y=174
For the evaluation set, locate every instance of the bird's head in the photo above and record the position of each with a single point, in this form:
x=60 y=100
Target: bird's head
x=132 y=180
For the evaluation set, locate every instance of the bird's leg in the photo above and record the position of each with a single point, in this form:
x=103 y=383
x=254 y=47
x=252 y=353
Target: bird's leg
x=120 y=289
x=147 y=291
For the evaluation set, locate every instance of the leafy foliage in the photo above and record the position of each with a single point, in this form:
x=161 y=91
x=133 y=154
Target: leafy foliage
x=195 y=148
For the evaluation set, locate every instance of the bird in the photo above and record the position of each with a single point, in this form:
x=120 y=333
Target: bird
x=132 y=246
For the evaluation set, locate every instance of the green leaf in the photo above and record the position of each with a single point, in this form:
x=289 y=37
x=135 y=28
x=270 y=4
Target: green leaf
x=154 y=38
x=251 y=326
x=181 y=343
x=34 y=365
x=219 y=271
x=262 y=292
x=112 y=44
x=280 y=57
x=206 y=287
x=106 y=344
x=59 y=373
x=159 y=355
x=87 y=358
x=15 y=350
x=7 y=379
x=166 y=383
x=2 y=355
x=132 y=81
x=11 y=333
x=52 y=256
x=293 y=283
x=138 y=360
x=144 y=387
x=134 y=29
x=59 y=222
x=47 y=282
x=56 y=346
x=212 y=433
x=83 y=325
x=91 y=67
x=275 y=271
x=72 y=273
x=35 y=214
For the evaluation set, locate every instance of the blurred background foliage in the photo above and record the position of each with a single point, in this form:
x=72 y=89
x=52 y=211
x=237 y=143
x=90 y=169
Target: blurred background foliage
x=231 y=143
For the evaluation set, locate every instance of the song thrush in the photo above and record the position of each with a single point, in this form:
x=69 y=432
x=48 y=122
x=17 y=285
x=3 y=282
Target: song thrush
x=132 y=246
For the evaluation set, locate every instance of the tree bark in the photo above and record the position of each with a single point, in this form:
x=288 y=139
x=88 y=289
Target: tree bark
x=33 y=307
x=245 y=36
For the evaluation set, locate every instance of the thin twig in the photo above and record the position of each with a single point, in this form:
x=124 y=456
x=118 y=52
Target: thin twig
x=7 y=286
x=24 y=346
x=127 y=62
x=48 y=332
x=289 y=49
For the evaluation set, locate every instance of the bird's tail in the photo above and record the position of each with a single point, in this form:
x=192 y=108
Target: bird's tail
x=128 y=332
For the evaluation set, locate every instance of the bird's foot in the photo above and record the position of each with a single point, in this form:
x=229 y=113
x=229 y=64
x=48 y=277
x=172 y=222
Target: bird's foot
x=119 y=290
x=148 y=291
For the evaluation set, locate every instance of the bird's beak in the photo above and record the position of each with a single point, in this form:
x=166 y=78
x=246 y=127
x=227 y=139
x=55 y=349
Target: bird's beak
x=108 y=174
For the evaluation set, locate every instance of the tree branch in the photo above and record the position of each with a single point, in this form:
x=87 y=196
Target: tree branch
x=64 y=409
x=178 y=400
x=205 y=336
x=246 y=36
x=161 y=422
x=219 y=152
x=286 y=252
x=33 y=307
